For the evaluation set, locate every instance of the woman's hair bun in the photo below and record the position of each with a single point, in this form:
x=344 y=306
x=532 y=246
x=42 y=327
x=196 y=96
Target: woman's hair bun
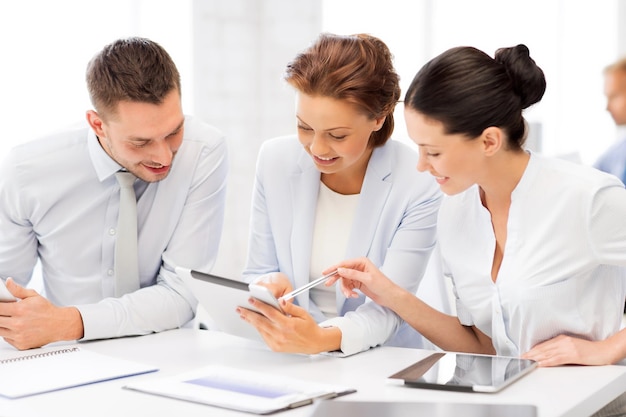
x=529 y=81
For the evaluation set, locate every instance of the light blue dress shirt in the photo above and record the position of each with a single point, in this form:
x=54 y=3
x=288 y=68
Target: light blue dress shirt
x=59 y=202
x=613 y=160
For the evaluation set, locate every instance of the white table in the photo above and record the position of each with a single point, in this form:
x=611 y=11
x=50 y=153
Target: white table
x=570 y=391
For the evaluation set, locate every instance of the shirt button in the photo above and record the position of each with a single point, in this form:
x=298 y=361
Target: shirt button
x=110 y=272
x=112 y=231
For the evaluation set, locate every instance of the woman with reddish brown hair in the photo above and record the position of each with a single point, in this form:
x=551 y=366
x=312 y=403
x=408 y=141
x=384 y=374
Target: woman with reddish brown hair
x=339 y=188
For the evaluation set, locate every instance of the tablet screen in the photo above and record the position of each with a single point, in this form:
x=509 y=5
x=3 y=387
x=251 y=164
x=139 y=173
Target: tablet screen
x=465 y=372
x=242 y=386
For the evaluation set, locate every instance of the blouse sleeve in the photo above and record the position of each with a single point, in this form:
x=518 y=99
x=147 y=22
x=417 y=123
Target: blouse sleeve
x=607 y=225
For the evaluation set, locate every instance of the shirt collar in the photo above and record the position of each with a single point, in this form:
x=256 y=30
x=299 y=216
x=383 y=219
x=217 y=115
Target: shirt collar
x=528 y=175
x=104 y=165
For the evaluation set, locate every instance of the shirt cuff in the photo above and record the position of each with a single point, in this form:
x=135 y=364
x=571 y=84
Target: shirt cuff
x=97 y=322
x=351 y=336
x=463 y=314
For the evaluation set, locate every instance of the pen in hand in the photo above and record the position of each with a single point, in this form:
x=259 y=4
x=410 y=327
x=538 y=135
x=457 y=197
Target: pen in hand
x=306 y=287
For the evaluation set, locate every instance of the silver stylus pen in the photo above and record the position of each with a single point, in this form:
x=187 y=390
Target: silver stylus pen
x=306 y=287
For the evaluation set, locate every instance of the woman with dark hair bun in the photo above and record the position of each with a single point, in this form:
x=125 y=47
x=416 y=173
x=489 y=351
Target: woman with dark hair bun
x=339 y=188
x=535 y=247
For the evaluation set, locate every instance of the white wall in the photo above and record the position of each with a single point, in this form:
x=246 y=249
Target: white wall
x=241 y=49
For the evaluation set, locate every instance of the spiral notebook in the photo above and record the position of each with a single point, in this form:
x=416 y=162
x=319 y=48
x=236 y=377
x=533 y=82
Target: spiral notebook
x=52 y=369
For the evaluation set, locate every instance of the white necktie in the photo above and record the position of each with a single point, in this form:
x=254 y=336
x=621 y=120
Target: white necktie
x=126 y=265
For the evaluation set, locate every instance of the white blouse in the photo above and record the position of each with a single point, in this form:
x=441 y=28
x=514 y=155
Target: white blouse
x=333 y=223
x=562 y=270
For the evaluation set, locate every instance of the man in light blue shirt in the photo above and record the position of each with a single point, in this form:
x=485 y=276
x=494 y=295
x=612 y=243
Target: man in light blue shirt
x=613 y=160
x=59 y=203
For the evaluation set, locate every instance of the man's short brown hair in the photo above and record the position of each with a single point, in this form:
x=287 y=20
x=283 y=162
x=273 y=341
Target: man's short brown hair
x=131 y=69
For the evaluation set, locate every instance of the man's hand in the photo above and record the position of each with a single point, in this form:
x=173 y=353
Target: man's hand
x=33 y=321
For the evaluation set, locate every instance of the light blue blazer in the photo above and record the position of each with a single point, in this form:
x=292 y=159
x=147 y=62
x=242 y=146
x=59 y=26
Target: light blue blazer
x=394 y=226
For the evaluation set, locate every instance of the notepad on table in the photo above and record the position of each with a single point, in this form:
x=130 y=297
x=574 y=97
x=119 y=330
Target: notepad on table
x=237 y=389
x=52 y=369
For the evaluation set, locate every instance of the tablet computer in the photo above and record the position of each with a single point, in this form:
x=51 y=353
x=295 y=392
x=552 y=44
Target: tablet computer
x=465 y=372
x=220 y=297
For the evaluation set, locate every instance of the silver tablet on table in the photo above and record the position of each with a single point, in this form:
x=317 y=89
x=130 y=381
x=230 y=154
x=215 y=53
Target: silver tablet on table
x=465 y=372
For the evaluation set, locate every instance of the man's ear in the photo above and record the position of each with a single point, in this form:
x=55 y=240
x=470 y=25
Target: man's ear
x=96 y=123
x=493 y=139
